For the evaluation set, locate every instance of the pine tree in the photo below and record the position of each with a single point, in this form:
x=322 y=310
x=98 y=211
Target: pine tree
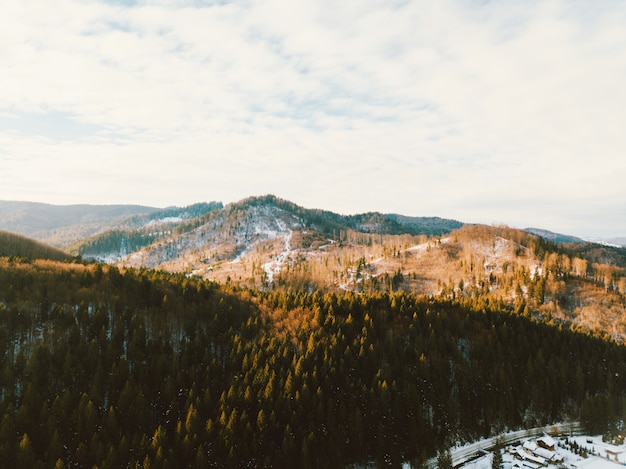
x=444 y=460
x=496 y=461
x=25 y=454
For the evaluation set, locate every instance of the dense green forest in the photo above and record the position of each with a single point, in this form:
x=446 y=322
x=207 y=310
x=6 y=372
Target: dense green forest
x=107 y=368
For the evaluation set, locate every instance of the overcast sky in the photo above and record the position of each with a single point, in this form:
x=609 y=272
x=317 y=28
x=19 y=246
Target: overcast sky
x=494 y=112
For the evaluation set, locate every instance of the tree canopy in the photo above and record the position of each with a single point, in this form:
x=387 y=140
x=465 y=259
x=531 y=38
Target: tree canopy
x=101 y=367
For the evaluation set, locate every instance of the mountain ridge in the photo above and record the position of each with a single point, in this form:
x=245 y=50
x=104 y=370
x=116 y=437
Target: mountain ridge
x=64 y=225
x=229 y=233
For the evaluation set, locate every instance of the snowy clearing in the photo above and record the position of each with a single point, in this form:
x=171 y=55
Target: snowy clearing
x=574 y=452
x=273 y=267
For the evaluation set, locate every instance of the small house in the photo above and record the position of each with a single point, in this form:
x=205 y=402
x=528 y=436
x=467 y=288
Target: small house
x=539 y=461
x=530 y=446
x=546 y=442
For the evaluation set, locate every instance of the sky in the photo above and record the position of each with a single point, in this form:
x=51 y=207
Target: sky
x=497 y=112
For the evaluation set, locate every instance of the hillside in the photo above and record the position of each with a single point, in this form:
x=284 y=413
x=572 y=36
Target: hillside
x=235 y=232
x=131 y=234
x=14 y=245
x=269 y=243
x=117 y=368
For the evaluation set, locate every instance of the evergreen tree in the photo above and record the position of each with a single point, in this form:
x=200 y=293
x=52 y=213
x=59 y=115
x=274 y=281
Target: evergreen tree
x=496 y=461
x=444 y=460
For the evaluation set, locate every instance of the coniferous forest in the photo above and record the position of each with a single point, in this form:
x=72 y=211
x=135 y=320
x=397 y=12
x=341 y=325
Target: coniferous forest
x=106 y=368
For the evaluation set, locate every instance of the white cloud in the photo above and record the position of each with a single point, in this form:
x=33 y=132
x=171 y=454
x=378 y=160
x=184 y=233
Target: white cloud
x=450 y=108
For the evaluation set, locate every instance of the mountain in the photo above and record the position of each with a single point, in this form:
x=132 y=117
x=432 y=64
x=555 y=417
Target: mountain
x=231 y=231
x=14 y=245
x=617 y=241
x=267 y=232
x=555 y=237
x=326 y=341
x=69 y=226
x=563 y=238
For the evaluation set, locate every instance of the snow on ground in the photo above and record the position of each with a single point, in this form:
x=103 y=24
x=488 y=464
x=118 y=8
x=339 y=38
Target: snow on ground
x=424 y=246
x=600 y=450
x=494 y=255
x=266 y=224
x=110 y=258
x=419 y=247
x=330 y=243
x=483 y=462
x=597 y=456
x=162 y=221
x=273 y=267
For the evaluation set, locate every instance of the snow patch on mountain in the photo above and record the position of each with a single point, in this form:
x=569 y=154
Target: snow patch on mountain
x=166 y=220
x=274 y=266
x=231 y=237
x=266 y=223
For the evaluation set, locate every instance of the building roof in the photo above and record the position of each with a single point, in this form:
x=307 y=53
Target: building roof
x=530 y=446
x=546 y=441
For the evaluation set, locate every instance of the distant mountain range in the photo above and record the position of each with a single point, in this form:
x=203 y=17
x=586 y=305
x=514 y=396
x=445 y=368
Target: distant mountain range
x=65 y=226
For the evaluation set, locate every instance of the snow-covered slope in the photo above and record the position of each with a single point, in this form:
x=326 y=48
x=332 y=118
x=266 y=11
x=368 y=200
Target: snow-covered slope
x=231 y=236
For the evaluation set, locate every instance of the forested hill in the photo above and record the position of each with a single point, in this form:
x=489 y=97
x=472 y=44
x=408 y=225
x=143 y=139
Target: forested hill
x=132 y=234
x=243 y=219
x=137 y=368
x=68 y=226
x=14 y=245
x=331 y=223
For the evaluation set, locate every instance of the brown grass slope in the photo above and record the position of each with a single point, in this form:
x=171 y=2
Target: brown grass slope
x=564 y=285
